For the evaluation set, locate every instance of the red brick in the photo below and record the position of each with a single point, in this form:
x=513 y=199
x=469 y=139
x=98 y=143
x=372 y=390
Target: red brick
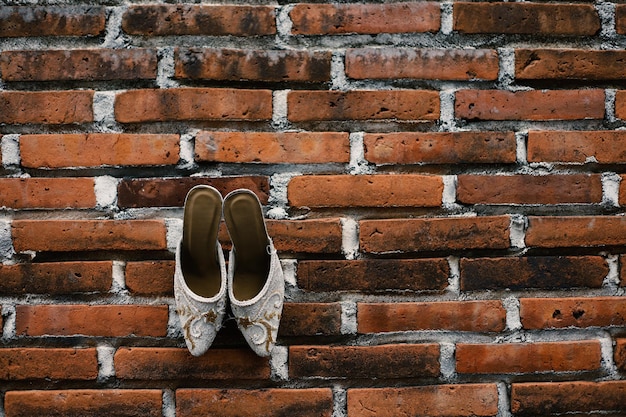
x=150 y=278
x=362 y=105
x=310 y=319
x=74 y=20
x=171 y=192
x=18 y=364
x=207 y=20
x=56 y=278
x=91 y=320
x=47 y=107
x=469 y=316
x=430 y=234
x=433 y=400
x=98 y=149
x=518 y=273
x=604 y=147
x=54 y=193
x=84 y=402
x=529 y=189
x=88 y=235
x=574 y=231
x=619 y=355
x=429 y=64
x=578 y=64
x=373 y=275
x=142 y=363
x=544 y=313
x=622 y=191
x=306 y=236
x=543 y=398
x=329 y=19
x=519 y=358
x=440 y=147
x=180 y=104
x=407 y=190
x=79 y=64
x=620 y=18
x=310 y=402
x=252 y=65
x=385 y=361
x=620 y=104
x=526 y=18
x=530 y=105
x=273 y=147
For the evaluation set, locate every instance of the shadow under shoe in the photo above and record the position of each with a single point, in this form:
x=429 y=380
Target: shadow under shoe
x=200 y=274
x=256 y=285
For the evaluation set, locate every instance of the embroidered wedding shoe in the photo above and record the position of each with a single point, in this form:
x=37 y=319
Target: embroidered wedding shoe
x=256 y=286
x=200 y=274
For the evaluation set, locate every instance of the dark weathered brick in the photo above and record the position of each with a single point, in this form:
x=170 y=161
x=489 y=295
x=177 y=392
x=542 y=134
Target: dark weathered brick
x=518 y=273
x=252 y=65
x=79 y=64
x=526 y=18
x=171 y=192
x=74 y=20
x=193 y=19
x=369 y=275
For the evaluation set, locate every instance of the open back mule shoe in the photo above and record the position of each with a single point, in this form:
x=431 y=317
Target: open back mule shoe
x=256 y=285
x=200 y=274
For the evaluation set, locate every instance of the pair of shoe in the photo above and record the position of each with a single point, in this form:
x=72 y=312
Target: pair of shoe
x=254 y=283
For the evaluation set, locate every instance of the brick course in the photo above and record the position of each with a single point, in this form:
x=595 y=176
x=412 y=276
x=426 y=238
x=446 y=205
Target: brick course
x=84 y=402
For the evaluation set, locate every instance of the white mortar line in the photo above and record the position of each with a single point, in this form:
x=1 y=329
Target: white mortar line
x=454 y=279
x=504 y=403
x=350 y=238
x=609 y=105
x=340 y=402
x=106 y=365
x=166 y=68
x=104 y=110
x=105 y=189
x=447 y=361
x=606 y=11
x=506 y=74
x=512 y=306
x=446 y=110
x=521 y=148
x=186 y=148
x=279 y=109
x=279 y=363
x=448 y=199
x=338 y=78
x=6 y=241
x=358 y=164
x=169 y=403
x=610 y=189
x=612 y=279
x=517 y=229
x=118 y=285
x=173 y=233
x=10 y=150
x=8 y=328
x=447 y=18
x=349 y=323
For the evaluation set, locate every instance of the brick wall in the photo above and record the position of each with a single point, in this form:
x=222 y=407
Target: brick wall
x=441 y=179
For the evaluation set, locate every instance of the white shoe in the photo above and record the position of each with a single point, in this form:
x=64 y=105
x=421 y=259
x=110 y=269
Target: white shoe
x=200 y=274
x=256 y=285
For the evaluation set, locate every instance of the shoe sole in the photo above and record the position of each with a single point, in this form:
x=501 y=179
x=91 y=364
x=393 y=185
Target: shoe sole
x=244 y=219
x=202 y=215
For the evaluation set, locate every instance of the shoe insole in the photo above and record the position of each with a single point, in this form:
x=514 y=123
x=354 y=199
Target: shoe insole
x=244 y=219
x=202 y=215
